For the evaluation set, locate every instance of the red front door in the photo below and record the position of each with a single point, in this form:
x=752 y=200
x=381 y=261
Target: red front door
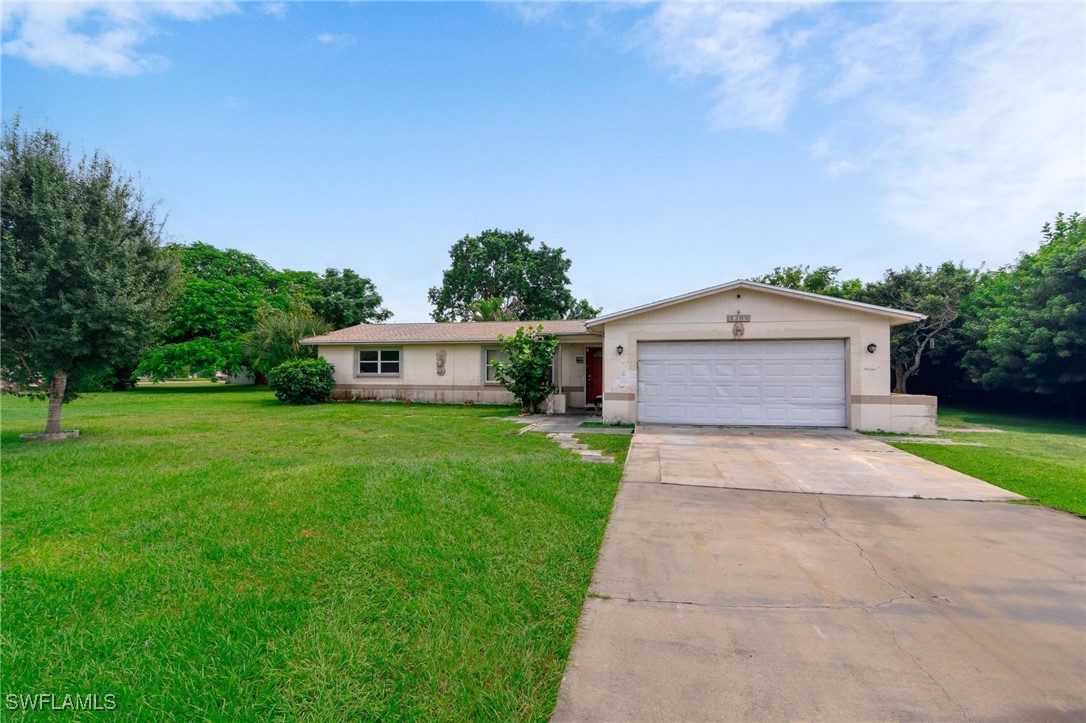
x=593 y=383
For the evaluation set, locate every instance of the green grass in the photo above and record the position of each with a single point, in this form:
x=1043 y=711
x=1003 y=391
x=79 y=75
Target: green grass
x=211 y=554
x=1041 y=458
x=605 y=424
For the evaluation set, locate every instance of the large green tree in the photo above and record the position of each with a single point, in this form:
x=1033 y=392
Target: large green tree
x=531 y=281
x=226 y=292
x=344 y=298
x=936 y=293
x=84 y=280
x=822 y=280
x=1029 y=319
x=222 y=294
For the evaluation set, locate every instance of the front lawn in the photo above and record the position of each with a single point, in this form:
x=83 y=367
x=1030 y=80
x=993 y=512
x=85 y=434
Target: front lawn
x=1040 y=458
x=209 y=553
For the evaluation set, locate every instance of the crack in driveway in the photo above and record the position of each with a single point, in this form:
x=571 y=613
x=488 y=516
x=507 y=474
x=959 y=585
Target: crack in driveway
x=906 y=595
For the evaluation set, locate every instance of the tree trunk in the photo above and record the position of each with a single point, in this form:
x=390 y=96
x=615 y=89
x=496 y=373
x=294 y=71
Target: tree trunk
x=56 y=397
x=901 y=378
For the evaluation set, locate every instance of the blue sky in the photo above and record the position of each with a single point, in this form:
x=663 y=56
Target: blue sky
x=665 y=147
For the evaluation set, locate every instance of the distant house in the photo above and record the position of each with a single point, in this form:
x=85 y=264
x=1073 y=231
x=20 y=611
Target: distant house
x=741 y=353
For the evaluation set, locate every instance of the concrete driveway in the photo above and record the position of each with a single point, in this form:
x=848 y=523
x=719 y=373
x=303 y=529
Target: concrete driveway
x=831 y=461
x=721 y=604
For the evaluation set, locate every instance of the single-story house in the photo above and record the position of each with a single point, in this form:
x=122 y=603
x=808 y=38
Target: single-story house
x=742 y=353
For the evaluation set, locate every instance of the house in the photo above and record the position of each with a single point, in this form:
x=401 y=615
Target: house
x=741 y=353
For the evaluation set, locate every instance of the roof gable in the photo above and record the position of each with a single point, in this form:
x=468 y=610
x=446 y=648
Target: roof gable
x=896 y=316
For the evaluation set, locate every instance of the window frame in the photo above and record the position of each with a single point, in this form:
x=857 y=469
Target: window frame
x=380 y=361
x=488 y=366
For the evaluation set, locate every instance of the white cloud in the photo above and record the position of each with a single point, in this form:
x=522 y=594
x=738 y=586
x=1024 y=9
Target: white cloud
x=989 y=143
x=969 y=116
x=840 y=167
x=746 y=51
x=534 y=11
x=95 y=37
x=336 y=40
x=277 y=10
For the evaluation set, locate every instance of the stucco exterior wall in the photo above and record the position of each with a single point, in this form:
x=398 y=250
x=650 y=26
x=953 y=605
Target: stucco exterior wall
x=418 y=380
x=772 y=317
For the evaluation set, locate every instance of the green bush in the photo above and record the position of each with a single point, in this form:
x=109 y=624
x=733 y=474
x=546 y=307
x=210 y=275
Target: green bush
x=302 y=381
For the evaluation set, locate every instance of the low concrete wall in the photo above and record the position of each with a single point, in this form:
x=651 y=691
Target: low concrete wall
x=897 y=413
x=913 y=414
x=475 y=395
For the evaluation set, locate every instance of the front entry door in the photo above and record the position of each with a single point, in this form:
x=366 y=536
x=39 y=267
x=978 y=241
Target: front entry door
x=593 y=383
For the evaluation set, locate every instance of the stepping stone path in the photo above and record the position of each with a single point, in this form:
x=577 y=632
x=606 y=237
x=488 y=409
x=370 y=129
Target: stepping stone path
x=566 y=440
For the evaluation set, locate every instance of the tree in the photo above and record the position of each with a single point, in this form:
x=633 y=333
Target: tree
x=493 y=310
x=503 y=265
x=936 y=293
x=221 y=295
x=345 y=299
x=823 y=280
x=583 y=310
x=85 y=281
x=224 y=294
x=528 y=371
x=1030 y=319
x=277 y=336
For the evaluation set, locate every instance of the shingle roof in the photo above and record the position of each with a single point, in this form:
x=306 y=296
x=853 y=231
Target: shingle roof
x=480 y=331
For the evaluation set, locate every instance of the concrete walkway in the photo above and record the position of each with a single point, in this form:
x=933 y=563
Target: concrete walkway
x=723 y=604
x=565 y=423
x=831 y=461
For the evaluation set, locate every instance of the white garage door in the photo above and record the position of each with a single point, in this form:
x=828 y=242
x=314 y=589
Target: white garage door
x=786 y=383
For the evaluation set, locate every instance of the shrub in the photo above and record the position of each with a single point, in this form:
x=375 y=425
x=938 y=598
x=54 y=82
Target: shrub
x=303 y=381
x=527 y=373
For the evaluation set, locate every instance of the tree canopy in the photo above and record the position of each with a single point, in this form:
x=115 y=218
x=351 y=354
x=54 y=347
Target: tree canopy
x=531 y=282
x=84 y=279
x=937 y=293
x=343 y=298
x=823 y=280
x=225 y=293
x=1029 y=319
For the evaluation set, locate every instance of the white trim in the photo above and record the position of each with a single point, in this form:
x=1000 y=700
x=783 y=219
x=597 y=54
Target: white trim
x=486 y=365
x=904 y=317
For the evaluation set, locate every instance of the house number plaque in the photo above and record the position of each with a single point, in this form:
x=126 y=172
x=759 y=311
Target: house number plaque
x=739 y=317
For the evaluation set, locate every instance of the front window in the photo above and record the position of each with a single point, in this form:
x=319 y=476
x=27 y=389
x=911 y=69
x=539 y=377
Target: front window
x=491 y=373
x=491 y=355
x=379 y=361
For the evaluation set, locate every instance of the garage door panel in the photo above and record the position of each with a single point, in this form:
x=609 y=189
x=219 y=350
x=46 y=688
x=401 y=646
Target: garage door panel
x=650 y=371
x=786 y=383
x=701 y=392
x=775 y=392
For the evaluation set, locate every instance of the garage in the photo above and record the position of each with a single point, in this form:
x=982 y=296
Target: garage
x=746 y=353
x=787 y=382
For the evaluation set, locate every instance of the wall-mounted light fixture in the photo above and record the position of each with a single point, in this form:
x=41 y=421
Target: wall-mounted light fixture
x=871 y=348
x=620 y=350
